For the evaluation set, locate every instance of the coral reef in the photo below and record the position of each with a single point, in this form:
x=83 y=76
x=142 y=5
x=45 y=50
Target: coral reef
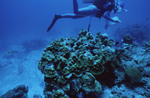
x=80 y=67
x=72 y=64
x=139 y=32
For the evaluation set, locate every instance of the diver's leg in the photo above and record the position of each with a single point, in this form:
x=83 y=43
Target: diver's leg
x=91 y=10
x=56 y=17
x=73 y=16
x=87 y=11
x=75 y=6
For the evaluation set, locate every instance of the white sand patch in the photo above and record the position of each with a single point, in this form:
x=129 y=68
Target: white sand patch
x=22 y=70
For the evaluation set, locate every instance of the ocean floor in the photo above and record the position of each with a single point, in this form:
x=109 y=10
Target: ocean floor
x=19 y=66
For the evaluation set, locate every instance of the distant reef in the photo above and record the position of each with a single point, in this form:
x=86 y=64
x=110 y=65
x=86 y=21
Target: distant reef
x=18 y=92
x=139 y=32
x=95 y=66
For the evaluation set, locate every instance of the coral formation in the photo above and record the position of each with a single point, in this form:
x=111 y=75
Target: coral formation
x=79 y=67
x=71 y=64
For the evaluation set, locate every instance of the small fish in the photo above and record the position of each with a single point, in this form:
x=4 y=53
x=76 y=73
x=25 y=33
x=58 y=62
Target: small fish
x=12 y=52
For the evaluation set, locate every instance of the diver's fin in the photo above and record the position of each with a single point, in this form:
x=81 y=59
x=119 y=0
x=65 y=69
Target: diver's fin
x=53 y=22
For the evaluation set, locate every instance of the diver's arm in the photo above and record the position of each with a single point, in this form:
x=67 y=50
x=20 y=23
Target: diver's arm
x=106 y=16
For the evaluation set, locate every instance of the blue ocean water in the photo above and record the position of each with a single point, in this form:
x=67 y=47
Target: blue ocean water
x=23 y=25
x=23 y=20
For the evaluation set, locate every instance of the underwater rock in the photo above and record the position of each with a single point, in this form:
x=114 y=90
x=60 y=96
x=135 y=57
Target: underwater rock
x=140 y=90
x=120 y=76
x=18 y=92
x=128 y=39
x=146 y=71
x=133 y=74
x=147 y=46
x=37 y=96
x=90 y=84
x=123 y=92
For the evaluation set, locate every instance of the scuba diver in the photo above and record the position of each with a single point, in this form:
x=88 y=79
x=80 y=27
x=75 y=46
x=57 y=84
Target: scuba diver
x=98 y=8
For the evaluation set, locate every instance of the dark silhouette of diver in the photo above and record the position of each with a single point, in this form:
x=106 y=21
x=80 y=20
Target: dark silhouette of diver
x=99 y=8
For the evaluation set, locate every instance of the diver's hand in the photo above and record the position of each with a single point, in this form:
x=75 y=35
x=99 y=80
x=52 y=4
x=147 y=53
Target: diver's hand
x=117 y=21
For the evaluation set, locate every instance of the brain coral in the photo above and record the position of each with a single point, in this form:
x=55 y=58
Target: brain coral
x=70 y=65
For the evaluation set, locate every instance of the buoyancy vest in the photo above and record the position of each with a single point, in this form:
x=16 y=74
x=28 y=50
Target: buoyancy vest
x=100 y=5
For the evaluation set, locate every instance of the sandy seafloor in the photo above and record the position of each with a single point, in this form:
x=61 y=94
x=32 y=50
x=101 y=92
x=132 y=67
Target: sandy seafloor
x=21 y=68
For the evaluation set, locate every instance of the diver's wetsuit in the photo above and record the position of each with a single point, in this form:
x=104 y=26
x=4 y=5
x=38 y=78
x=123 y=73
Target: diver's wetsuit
x=98 y=9
x=100 y=5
